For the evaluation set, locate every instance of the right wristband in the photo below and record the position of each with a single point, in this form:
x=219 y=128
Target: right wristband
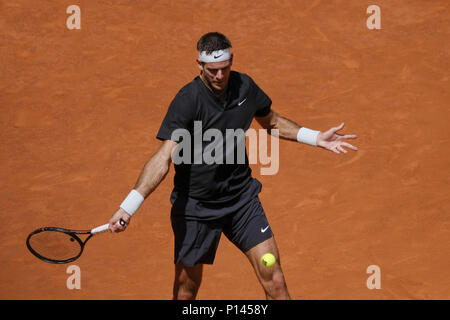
x=132 y=202
x=307 y=136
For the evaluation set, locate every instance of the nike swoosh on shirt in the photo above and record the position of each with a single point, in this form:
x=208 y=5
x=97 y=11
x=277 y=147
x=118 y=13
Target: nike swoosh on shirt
x=264 y=229
x=242 y=102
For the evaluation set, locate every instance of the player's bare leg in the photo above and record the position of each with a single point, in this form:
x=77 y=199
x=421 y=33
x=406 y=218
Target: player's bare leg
x=187 y=281
x=271 y=278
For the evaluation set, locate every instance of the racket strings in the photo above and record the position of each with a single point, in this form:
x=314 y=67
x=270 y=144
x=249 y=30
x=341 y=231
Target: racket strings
x=54 y=245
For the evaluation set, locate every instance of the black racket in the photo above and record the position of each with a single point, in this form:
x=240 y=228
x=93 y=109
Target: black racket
x=59 y=245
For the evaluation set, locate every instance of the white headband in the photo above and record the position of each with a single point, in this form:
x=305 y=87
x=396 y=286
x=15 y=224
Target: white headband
x=215 y=56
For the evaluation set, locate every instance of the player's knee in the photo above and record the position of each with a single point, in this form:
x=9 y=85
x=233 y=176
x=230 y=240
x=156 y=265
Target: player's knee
x=278 y=281
x=185 y=290
x=276 y=287
x=185 y=294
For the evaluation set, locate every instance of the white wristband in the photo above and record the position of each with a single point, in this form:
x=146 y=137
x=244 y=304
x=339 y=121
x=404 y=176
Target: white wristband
x=307 y=136
x=132 y=202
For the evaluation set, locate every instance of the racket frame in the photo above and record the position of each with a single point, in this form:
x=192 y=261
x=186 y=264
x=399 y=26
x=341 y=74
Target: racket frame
x=71 y=233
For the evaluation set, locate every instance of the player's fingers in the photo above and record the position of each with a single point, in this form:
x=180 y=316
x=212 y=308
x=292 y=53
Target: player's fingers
x=335 y=150
x=348 y=136
x=348 y=145
x=336 y=129
x=114 y=226
x=341 y=149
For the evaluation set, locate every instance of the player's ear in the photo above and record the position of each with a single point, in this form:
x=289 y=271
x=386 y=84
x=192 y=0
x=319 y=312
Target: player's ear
x=200 y=65
x=231 y=60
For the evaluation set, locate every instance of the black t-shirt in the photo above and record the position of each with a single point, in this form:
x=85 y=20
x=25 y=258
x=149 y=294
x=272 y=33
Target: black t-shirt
x=195 y=107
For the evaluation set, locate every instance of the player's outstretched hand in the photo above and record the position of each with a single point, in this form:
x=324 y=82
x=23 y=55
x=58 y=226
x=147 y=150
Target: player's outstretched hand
x=333 y=141
x=114 y=222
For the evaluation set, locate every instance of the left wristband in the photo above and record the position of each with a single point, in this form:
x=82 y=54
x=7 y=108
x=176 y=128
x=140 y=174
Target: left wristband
x=307 y=136
x=132 y=202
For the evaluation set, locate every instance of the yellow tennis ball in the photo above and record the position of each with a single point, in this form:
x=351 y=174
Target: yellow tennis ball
x=268 y=259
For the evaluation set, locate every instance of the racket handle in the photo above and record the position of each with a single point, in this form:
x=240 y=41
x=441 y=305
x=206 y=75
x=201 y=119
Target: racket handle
x=105 y=227
x=99 y=229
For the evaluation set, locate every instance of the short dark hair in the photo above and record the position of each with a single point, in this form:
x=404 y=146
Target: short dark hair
x=213 y=41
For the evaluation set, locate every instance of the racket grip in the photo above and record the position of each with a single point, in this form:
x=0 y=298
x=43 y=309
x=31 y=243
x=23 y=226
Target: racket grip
x=99 y=229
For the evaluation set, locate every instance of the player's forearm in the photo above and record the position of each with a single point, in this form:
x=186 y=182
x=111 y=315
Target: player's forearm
x=153 y=173
x=286 y=129
x=151 y=176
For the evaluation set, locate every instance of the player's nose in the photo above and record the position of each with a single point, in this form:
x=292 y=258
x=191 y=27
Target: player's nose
x=219 y=75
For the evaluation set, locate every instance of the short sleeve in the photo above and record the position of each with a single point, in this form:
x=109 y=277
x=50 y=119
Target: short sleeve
x=180 y=115
x=262 y=101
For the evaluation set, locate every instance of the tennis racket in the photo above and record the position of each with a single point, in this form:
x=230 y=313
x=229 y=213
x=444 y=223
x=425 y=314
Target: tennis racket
x=59 y=245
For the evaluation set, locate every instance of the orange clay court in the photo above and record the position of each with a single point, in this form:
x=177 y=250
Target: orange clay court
x=80 y=110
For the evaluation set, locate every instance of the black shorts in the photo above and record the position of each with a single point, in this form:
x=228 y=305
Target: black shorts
x=196 y=241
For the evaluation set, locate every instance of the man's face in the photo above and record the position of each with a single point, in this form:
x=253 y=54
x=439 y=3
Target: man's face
x=216 y=74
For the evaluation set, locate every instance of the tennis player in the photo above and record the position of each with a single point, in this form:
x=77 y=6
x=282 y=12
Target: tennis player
x=211 y=199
